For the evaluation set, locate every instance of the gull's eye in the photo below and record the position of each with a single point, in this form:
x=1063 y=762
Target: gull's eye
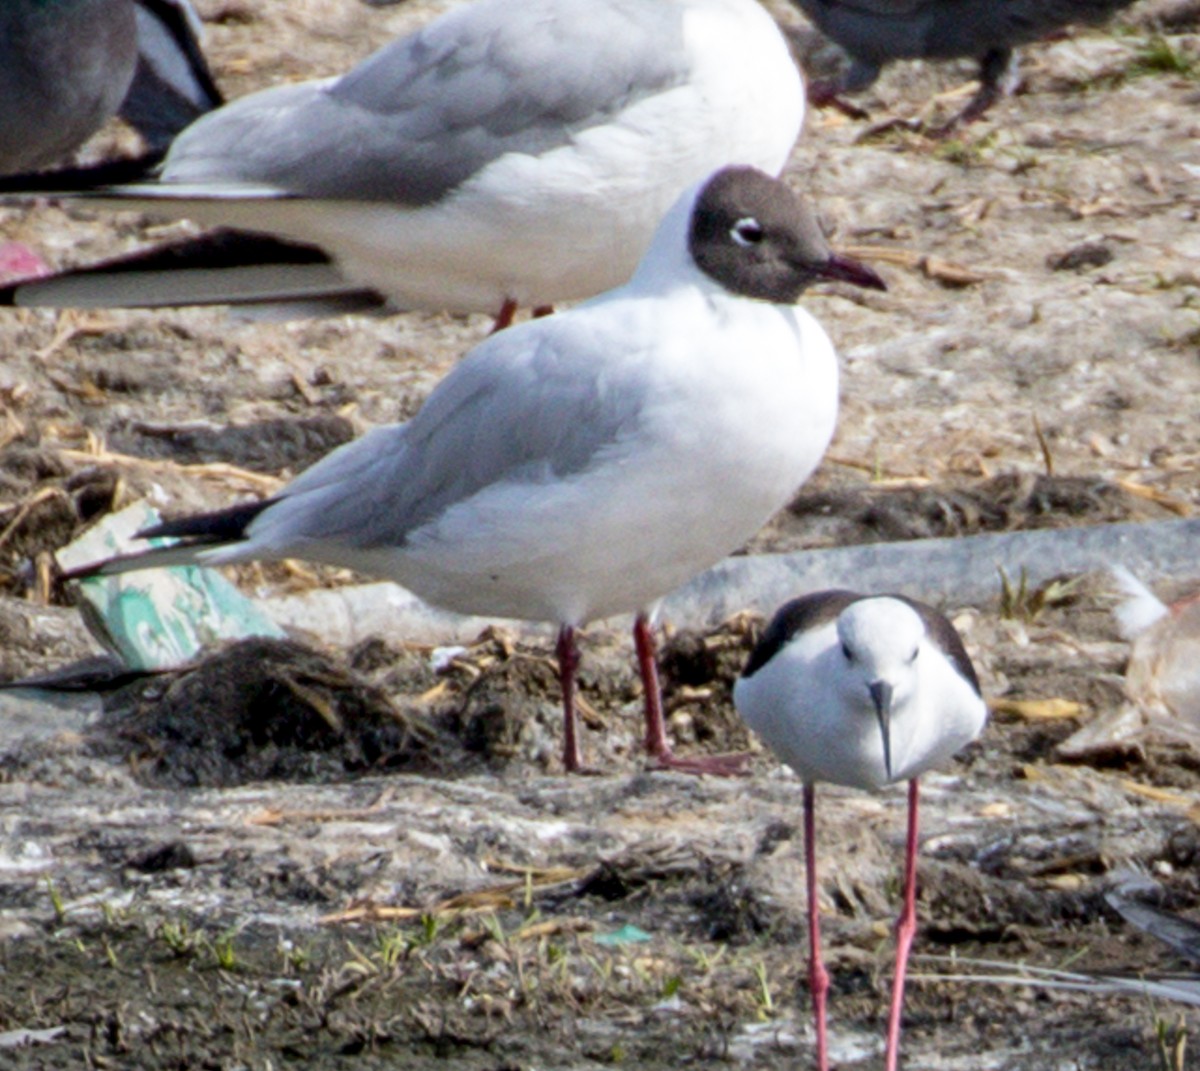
x=747 y=232
x=913 y=657
x=847 y=652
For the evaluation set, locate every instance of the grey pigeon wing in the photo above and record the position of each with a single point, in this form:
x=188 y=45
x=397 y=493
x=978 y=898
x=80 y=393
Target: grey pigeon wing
x=876 y=31
x=426 y=112
x=535 y=417
x=798 y=615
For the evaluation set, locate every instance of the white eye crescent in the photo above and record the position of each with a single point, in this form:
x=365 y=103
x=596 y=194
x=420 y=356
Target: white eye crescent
x=747 y=231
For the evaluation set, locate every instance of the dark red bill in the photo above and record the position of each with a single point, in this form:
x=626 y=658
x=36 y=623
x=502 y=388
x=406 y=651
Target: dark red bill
x=848 y=270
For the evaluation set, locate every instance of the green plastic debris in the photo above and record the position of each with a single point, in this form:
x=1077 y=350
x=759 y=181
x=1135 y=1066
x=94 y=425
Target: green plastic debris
x=160 y=618
x=629 y=934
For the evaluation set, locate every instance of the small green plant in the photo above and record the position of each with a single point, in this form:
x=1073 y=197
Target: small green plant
x=763 y=997
x=1158 y=56
x=295 y=957
x=1020 y=602
x=56 y=900
x=1172 y=1043
x=705 y=960
x=223 y=952
x=672 y=986
x=495 y=928
x=392 y=948
x=179 y=938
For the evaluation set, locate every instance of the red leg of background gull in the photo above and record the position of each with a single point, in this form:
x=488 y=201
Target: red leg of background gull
x=906 y=928
x=818 y=977
x=567 y=651
x=657 y=745
x=504 y=317
x=542 y=310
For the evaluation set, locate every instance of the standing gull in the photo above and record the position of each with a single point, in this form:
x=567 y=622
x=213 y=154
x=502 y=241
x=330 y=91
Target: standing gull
x=860 y=691
x=505 y=154
x=875 y=32
x=585 y=464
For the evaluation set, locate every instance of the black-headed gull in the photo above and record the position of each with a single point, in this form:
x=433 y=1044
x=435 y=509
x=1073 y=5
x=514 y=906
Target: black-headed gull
x=860 y=691
x=875 y=32
x=583 y=465
x=506 y=154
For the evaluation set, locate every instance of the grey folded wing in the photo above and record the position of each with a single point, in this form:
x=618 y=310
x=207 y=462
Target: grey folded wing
x=426 y=112
x=510 y=412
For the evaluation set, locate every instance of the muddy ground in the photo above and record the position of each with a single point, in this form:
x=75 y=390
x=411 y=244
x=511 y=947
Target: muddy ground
x=299 y=855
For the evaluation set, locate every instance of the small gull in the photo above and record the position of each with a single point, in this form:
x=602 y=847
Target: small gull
x=875 y=32
x=860 y=691
x=583 y=465
x=505 y=154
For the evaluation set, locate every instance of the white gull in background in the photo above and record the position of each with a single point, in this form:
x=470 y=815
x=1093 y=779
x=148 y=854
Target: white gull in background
x=505 y=154
x=860 y=691
x=584 y=464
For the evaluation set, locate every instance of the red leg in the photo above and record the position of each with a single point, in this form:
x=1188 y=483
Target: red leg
x=542 y=310
x=818 y=977
x=657 y=745
x=906 y=929
x=567 y=651
x=504 y=317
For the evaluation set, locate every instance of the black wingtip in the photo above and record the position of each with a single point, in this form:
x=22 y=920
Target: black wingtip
x=221 y=526
x=79 y=179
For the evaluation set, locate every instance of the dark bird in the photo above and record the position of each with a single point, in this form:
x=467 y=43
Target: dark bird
x=875 y=32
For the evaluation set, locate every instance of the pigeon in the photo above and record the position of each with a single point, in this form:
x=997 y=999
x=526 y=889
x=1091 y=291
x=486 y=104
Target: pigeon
x=505 y=154
x=65 y=67
x=875 y=32
x=860 y=691
x=585 y=464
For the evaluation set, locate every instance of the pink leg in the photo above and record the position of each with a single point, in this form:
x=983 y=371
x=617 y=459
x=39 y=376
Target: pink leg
x=906 y=929
x=818 y=977
x=504 y=317
x=657 y=745
x=567 y=651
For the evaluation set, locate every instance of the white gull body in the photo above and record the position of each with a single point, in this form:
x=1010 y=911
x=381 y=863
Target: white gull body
x=506 y=153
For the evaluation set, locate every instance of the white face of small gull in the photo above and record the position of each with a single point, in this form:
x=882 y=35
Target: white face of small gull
x=881 y=643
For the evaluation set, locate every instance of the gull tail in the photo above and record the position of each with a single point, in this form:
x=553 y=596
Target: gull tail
x=197 y=536
x=223 y=267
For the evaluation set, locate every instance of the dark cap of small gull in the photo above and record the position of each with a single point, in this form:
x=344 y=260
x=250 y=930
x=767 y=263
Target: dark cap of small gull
x=759 y=239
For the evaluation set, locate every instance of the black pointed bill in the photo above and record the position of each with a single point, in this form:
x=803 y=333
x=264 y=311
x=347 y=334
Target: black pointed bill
x=881 y=696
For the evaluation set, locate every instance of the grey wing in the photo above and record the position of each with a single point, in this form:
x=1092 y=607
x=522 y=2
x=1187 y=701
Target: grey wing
x=504 y=413
x=427 y=111
x=946 y=637
x=798 y=615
